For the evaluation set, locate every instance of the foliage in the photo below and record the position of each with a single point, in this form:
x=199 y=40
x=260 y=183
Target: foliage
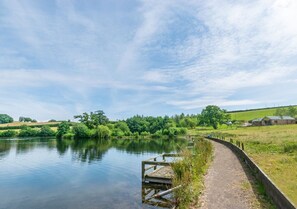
x=80 y=130
x=189 y=172
x=92 y=120
x=4 y=118
x=46 y=131
x=122 y=126
x=63 y=128
x=26 y=119
x=289 y=111
x=28 y=132
x=8 y=133
x=103 y=132
x=213 y=116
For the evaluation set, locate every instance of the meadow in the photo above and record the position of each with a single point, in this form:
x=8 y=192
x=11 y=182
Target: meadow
x=253 y=113
x=274 y=149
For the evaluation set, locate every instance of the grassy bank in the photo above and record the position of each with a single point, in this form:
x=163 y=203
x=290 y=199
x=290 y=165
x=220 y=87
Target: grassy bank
x=274 y=149
x=189 y=172
x=252 y=114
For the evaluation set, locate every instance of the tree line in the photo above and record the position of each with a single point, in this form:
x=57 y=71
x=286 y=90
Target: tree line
x=97 y=125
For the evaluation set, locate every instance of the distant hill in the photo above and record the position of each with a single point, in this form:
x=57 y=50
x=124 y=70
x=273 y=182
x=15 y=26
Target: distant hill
x=251 y=114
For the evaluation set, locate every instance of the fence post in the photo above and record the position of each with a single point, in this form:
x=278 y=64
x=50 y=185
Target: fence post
x=155 y=167
x=142 y=169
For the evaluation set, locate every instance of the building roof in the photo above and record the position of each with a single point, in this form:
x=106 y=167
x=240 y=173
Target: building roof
x=274 y=118
x=280 y=117
x=257 y=120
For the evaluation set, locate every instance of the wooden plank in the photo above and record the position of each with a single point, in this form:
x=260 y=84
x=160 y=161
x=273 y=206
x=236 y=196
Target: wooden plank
x=156 y=163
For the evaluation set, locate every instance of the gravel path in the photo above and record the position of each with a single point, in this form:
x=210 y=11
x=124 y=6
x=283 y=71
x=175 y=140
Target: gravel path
x=227 y=184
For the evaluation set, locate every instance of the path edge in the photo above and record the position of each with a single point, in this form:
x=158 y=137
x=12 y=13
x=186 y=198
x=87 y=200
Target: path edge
x=278 y=197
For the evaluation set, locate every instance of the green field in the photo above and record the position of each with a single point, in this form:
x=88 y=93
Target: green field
x=274 y=149
x=252 y=114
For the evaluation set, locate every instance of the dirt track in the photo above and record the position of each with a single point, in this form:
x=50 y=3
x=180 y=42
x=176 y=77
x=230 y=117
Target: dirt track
x=228 y=184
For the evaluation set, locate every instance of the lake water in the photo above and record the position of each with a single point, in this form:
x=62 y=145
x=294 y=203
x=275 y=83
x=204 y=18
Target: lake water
x=88 y=174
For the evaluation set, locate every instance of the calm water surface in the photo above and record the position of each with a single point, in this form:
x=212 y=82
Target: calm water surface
x=48 y=173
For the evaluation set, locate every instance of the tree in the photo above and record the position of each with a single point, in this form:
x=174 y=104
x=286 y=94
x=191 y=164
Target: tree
x=81 y=131
x=213 y=116
x=46 y=131
x=63 y=128
x=92 y=120
x=103 y=132
x=26 y=119
x=98 y=118
x=4 y=118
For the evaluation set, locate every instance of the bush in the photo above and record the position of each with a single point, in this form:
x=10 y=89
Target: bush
x=63 y=128
x=182 y=131
x=46 y=131
x=157 y=134
x=28 y=132
x=68 y=136
x=117 y=132
x=189 y=172
x=103 y=132
x=136 y=135
x=80 y=131
x=8 y=133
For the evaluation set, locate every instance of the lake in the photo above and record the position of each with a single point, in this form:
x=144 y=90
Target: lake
x=88 y=174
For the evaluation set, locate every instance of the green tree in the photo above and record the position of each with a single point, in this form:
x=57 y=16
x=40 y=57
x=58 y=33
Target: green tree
x=292 y=111
x=98 y=118
x=103 y=132
x=63 y=128
x=46 y=131
x=92 y=120
x=213 y=116
x=28 y=132
x=80 y=130
x=4 y=118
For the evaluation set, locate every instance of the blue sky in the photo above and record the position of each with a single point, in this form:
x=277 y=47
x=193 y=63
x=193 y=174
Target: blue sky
x=60 y=58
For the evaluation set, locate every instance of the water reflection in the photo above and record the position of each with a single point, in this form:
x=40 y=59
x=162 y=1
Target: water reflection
x=76 y=173
x=149 y=192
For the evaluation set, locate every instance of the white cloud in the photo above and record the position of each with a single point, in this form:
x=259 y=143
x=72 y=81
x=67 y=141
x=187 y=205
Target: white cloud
x=186 y=54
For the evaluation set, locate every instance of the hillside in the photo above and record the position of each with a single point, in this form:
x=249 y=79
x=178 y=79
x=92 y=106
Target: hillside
x=247 y=115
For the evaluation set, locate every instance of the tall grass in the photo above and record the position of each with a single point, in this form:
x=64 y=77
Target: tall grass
x=274 y=149
x=189 y=172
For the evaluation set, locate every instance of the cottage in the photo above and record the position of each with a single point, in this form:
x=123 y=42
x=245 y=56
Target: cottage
x=273 y=120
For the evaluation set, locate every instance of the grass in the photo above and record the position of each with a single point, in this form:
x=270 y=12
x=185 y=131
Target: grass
x=274 y=149
x=189 y=172
x=28 y=124
x=253 y=114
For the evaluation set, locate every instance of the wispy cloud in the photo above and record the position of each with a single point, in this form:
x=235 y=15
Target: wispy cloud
x=146 y=57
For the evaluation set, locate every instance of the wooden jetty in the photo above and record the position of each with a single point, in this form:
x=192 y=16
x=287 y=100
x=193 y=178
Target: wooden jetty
x=158 y=169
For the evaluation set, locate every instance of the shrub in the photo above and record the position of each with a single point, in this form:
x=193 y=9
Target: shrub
x=103 y=132
x=68 y=136
x=80 y=131
x=189 y=172
x=28 y=132
x=144 y=133
x=182 y=131
x=117 y=132
x=63 y=128
x=46 y=131
x=157 y=134
x=136 y=135
x=8 y=133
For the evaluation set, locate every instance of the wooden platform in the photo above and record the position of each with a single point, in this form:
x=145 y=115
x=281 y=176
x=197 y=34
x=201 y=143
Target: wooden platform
x=158 y=169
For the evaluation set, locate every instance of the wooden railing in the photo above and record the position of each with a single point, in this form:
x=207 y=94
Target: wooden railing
x=151 y=165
